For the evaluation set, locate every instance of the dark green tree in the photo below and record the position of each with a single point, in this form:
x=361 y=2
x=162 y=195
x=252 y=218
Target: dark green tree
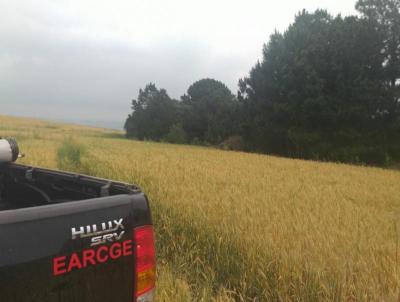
x=209 y=108
x=318 y=90
x=154 y=113
x=385 y=14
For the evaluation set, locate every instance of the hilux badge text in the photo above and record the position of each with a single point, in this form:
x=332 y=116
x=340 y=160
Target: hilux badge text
x=108 y=231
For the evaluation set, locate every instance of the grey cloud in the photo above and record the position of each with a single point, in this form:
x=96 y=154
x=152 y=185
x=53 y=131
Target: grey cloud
x=56 y=64
x=57 y=74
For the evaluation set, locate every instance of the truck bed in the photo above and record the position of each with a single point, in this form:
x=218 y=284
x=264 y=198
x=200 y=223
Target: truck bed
x=24 y=186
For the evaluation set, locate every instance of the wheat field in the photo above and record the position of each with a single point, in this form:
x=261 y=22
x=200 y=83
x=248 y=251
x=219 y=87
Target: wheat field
x=232 y=226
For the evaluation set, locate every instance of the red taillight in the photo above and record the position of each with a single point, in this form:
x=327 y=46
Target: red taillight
x=145 y=260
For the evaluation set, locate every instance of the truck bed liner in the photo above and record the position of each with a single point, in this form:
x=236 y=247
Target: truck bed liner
x=24 y=186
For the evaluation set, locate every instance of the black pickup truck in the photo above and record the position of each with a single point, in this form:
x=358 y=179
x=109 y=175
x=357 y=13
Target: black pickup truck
x=69 y=237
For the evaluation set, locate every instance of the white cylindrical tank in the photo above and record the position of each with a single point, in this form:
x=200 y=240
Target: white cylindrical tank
x=9 y=150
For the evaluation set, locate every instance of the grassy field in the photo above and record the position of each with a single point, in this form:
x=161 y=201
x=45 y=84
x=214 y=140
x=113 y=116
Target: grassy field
x=244 y=227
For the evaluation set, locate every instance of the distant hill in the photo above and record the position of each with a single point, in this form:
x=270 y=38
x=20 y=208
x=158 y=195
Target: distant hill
x=117 y=125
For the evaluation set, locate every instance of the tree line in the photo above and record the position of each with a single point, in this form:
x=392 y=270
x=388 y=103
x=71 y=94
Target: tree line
x=327 y=88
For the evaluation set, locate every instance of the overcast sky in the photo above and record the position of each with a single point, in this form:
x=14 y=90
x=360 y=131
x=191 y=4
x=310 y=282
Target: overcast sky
x=86 y=60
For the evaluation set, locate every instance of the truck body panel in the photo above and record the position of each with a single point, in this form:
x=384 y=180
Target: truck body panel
x=67 y=237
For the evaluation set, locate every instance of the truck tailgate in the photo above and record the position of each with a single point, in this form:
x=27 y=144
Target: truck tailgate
x=75 y=251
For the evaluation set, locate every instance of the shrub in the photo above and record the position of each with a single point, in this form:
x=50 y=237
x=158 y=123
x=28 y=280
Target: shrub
x=394 y=152
x=176 y=135
x=375 y=156
x=69 y=155
x=196 y=141
x=233 y=143
x=361 y=155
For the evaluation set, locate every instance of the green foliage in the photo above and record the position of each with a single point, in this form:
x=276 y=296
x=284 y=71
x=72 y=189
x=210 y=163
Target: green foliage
x=209 y=108
x=176 y=135
x=196 y=141
x=154 y=112
x=206 y=112
x=234 y=143
x=361 y=155
x=320 y=88
x=69 y=155
x=385 y=16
